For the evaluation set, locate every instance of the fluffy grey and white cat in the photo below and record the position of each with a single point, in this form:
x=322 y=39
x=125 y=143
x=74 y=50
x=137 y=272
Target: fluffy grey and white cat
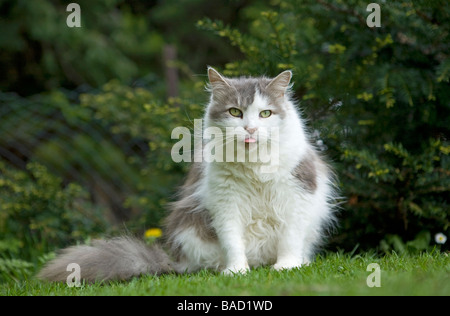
x=231 y=215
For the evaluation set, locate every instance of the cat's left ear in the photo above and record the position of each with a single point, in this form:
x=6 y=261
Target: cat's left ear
x=281 y=82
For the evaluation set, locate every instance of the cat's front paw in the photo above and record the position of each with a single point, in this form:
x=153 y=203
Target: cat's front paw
x=289 y=264
x=236 y=269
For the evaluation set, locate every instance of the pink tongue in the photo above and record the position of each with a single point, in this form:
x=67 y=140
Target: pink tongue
x=250 y=140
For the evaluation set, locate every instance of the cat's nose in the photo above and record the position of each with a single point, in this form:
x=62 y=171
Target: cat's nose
x=251 y=130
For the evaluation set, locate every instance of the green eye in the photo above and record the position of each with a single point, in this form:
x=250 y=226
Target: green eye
x=235 y=112
x=265 y=113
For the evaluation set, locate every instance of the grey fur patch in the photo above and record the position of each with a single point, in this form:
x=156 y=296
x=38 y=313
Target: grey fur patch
x=119 y=258
x=306 y=172
x=245 y=89
x=187 y=213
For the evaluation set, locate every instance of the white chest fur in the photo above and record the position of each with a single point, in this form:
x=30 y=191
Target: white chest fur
x=258 y=211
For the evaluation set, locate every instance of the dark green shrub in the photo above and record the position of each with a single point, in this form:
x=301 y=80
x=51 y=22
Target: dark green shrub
x=38 y=213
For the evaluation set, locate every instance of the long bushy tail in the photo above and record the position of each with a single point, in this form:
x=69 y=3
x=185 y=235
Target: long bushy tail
x=119 y=258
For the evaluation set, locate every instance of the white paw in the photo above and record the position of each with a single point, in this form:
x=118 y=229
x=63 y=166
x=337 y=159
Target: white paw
x=289 y=264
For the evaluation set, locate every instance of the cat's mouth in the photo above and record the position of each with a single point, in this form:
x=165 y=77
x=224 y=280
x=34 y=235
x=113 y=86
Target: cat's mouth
x=249 y=139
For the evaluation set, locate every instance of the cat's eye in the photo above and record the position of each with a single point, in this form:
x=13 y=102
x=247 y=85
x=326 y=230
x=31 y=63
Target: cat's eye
x=265 y=113
x=235 y=112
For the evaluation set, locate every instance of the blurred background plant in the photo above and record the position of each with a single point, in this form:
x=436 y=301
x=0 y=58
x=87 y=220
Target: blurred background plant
x=86 y=113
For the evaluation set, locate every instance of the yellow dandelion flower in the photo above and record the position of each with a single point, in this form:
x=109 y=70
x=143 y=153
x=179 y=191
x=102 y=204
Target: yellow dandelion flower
x=153 y=232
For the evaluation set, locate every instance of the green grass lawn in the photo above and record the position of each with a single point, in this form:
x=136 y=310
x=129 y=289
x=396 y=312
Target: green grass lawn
x=332 y=274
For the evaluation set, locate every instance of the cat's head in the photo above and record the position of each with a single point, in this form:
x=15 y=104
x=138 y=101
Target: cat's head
x=251 y=106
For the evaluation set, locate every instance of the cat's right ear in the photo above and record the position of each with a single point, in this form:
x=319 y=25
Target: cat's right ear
x=216 y=80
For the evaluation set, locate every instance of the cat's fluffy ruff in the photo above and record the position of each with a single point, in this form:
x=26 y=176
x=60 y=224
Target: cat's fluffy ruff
x=230 y=215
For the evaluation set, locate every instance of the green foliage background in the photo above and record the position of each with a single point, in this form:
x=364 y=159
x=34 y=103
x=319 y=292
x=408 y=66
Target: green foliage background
x=85 y=122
